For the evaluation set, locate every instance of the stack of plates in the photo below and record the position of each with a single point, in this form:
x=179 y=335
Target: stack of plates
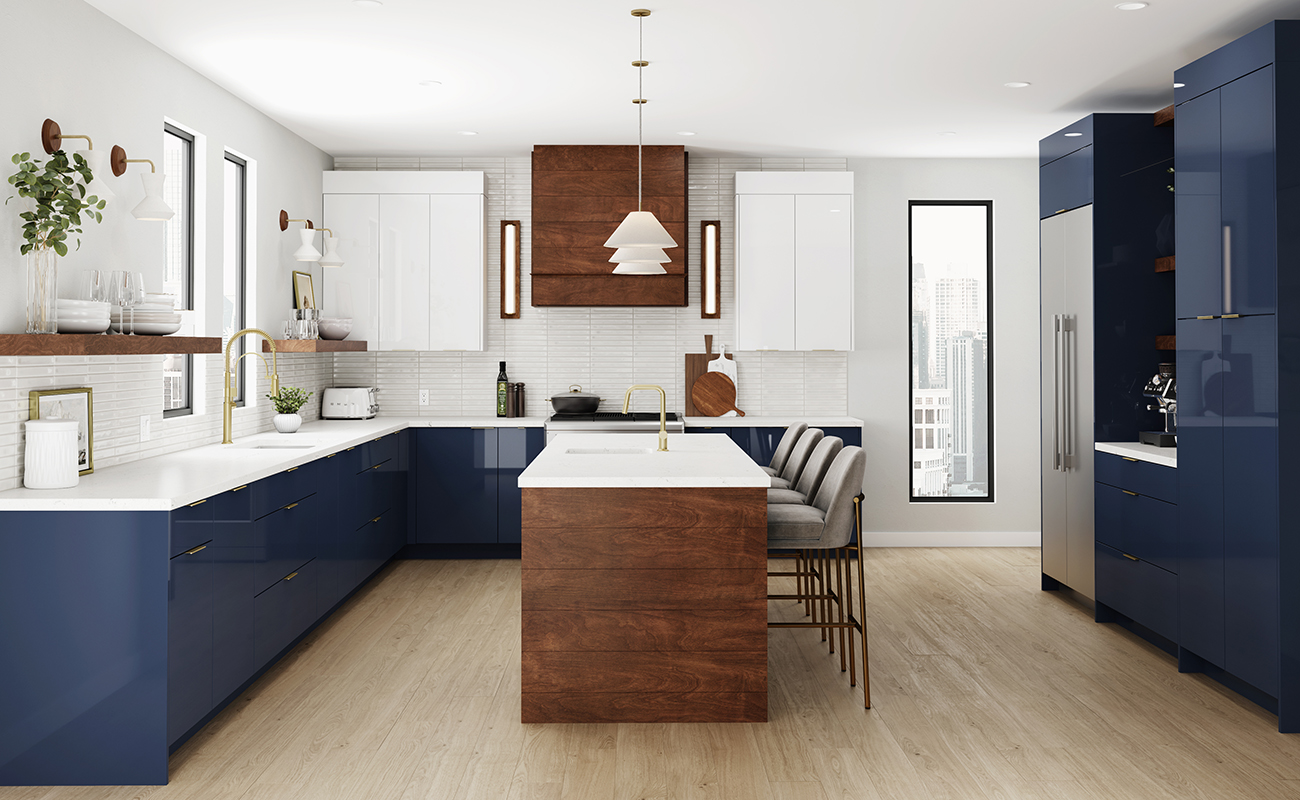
x=82 y=316
x=150 y=319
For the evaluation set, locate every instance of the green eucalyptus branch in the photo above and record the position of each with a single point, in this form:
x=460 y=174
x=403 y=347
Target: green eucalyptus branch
x=289 y=400
x=59 y=194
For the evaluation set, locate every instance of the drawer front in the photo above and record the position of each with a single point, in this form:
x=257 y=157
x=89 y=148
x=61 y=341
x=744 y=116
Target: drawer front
x=1139 y=590
x=189 y=641
x=283 y=488
x=1143 y=477
x=385 y=448
x=283 y=611
x=200 y=511
x=282 y=540
x=185 y=536
x=1138 y=525
x=235 y=505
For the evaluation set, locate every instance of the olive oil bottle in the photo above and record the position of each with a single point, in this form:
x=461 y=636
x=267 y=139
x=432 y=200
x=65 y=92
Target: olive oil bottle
x=503 y=386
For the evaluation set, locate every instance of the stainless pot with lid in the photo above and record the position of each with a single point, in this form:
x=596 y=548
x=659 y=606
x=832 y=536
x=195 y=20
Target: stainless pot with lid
x=575 y=401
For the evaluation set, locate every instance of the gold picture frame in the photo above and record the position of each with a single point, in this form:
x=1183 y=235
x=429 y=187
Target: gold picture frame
x=75 y=404
x=304 y=294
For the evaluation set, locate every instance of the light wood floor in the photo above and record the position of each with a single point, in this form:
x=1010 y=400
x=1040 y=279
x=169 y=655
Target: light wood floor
x=984 y=687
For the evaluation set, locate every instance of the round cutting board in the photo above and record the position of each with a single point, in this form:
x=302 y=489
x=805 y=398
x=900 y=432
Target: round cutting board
x=714 y=394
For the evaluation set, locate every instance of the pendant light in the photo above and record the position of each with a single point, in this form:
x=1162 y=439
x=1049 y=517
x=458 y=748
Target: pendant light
x=639 y=240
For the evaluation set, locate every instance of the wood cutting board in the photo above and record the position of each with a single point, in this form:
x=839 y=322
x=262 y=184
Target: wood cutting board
x=714 y=395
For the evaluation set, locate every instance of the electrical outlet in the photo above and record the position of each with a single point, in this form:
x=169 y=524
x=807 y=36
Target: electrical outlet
x=145 y=434
x=424 y=397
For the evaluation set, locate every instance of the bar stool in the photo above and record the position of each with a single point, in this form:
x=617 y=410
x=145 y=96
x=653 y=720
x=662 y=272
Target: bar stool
x=814 y=471
x=819 y=530
x=798 y=459
x=784 y=447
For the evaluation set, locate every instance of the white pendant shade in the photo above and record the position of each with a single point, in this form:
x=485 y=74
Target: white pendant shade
x=98 y=163
x=331 y=257
x=152 y=208
x=307 y=252
x=640 y=229
x=652 y=255
x=640 y=268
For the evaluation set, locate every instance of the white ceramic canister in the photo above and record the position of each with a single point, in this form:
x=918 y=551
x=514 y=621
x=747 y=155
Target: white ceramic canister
x=50 y=459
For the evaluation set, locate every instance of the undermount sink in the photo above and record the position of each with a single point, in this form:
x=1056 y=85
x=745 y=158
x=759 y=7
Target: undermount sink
x=608 y=451
x=274 y=445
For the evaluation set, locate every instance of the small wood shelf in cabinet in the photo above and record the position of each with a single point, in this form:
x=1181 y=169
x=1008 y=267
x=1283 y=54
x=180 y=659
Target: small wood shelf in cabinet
x=95 y=344
x=1165 y=264
x=1164 y=116
x=1166 y=342
x=316 y=346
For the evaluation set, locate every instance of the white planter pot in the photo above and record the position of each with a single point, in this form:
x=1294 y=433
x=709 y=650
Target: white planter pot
x=50 y=460
x=287 y=423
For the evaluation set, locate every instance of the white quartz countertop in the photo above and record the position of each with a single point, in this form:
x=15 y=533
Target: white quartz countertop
x=772 y=421
x=170 y=481
x=692 y=460
x=1165 y=456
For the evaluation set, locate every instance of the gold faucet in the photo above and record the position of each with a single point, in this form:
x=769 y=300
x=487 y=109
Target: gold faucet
x=663 y=412
x=228 y=384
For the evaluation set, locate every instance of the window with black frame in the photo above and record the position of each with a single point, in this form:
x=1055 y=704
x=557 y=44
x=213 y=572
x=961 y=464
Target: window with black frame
x=950 y=257
x=234 y=270
x=178 y=269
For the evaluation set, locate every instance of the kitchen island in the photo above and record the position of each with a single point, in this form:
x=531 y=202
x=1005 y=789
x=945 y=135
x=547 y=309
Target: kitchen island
x=644 y=581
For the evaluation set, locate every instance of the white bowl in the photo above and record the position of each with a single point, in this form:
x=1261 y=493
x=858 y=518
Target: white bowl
x=334 y=328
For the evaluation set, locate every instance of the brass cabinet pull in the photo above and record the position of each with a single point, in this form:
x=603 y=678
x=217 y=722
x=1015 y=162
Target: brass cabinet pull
x=1127 y=492
x=291 y=576
x=377 y=466
x=331 y=455
x=380 y=439
x=1131 y=558
x=1231 y=316
x=350 y=449
x=201 y=502
x=291 y=469
x=481 y=428
x=290 y=506
x=1209 y=317
x=239 y=488
x=376 y=519
x=194 y=550
x=1126 y=458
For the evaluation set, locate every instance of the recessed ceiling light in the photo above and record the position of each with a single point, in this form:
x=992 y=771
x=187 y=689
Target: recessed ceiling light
x=368 y=3
x=1179 y=85
x=469 y=133
x=1016 y=84
x=947 y=133
x=1074 y=133
x=1132 y=6
x=431 y=83
x=686 y=133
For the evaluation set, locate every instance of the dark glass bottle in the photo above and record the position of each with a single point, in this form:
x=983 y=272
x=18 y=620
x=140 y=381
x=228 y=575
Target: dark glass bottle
x=503 y=384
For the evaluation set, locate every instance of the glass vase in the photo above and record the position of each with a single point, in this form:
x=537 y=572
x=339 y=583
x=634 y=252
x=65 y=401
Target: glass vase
x=42 y=291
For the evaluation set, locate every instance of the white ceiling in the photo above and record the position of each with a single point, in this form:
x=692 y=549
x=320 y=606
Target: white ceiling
x=756 y=77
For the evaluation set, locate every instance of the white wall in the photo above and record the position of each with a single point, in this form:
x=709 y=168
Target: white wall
x=95 y=77
x=878 y=370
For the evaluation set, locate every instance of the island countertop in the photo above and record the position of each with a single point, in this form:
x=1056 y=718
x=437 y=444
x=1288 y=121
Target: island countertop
x=703 y=460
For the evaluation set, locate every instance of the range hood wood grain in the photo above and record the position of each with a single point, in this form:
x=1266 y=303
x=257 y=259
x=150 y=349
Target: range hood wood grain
x=580 y=195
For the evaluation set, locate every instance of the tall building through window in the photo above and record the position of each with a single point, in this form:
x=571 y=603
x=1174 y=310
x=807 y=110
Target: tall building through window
x=951 y=276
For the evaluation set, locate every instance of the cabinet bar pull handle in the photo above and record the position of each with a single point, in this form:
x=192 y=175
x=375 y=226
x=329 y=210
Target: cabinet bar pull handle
x=1131 y=558
x=376 y=519
x=290 y=506
x=291 y=576
x=1231 y=316
x=1209 y=317
x=350 y=449
x=380 y=439
x=201 y=502
x=1130 y=494
x=377 y=466
x=291 y=469
x=194 y=550
x=331 y=455
x=239 y=488
x=1126 y=458
x=483 y=428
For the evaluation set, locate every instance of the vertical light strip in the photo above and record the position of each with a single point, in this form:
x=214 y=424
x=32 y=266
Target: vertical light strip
x=510 y=269
x=710 y=275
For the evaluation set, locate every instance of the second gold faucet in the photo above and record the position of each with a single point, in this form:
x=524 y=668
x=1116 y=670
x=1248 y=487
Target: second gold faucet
x=663 y=411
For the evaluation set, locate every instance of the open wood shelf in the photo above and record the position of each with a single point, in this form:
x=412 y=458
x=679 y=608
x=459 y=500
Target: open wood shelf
x=1166 y=342
x=1165 y=264
x=1164 y=116
x=95 y=344
x=316 y=346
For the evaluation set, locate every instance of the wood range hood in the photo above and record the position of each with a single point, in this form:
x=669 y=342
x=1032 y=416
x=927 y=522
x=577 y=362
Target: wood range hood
x=580 y=195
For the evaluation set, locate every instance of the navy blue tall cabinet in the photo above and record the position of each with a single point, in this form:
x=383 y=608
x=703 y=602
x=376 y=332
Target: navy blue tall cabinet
x=1238 y=305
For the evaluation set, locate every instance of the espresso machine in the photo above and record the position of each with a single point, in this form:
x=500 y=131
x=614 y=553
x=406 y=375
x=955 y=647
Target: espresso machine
x=1163 y=389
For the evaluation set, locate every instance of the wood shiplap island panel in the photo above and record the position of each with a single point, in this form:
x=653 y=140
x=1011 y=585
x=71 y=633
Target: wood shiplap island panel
x=646 y=601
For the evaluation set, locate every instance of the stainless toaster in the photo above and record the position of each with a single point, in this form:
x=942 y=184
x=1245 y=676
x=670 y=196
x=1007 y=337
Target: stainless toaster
x=352 y=402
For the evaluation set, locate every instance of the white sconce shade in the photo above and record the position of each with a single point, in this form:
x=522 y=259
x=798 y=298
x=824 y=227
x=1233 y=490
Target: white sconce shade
x=307 y=252
x=98 y=163
x=710 y=279
x=641 y=229
x=640 y=268
x=152 y=208
x=331 y=257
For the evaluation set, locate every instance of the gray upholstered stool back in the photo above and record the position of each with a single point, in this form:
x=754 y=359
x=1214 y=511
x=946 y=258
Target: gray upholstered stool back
x=814 y=472
x=785 y=446
x=843 y=482
x=799 y=455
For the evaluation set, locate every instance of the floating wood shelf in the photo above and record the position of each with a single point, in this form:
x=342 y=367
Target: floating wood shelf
x=316 y=346
x=94 y=344
x=1166 y=342
x=1164 y=117
x=1165 y=264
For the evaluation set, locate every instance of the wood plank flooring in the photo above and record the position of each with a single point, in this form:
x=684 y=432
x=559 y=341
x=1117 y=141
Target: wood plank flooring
x=982 y=686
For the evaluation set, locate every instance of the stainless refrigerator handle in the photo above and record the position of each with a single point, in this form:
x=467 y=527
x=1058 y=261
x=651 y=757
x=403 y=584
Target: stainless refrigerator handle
x=1227 y=269
x=1056 y=391
x=1069 y=388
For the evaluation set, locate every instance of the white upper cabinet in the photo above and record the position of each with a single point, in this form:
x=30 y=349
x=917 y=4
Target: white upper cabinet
x=794 y=260
x=414 y=252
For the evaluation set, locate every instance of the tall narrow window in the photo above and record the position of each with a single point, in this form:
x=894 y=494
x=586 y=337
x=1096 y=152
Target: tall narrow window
x=178 y=270
x=234 y=269
x=950 y=249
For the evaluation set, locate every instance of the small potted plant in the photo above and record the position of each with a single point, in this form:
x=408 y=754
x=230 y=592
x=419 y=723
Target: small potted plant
x=287 y=403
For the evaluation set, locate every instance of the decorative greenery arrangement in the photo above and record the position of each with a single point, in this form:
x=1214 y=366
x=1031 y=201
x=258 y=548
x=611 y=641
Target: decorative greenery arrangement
x=289 y=400
x=60 y=199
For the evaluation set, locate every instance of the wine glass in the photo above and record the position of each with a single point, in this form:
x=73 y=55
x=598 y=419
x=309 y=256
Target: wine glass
x=119 y=294
x=135 y=284
x=92 y=285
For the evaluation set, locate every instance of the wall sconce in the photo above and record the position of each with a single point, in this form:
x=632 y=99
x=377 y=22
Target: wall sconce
x=52 y=140
x=510 y=269
x=152 y=208
x=331 y=257
x=307 y=251
x=710 y=275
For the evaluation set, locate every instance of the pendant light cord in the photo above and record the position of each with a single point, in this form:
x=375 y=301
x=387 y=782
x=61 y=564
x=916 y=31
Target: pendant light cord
x=640 y=107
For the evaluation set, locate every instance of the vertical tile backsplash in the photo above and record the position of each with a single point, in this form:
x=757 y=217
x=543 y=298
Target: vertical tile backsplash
x=604 y=350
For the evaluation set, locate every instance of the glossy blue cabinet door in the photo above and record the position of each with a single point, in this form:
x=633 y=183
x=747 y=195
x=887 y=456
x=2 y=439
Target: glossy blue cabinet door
x=760 y=443
x=1065 y=183
x=1198 y=234
x=456 y=485
x=1249 y=195
x=232 y=607
x=1200 y=487
x=516 y=449
x=852 y=436
x=189 y=636
x=1250 y=492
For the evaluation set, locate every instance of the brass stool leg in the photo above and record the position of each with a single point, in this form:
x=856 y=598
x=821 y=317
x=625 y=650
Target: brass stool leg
x=862 y=603
x=848 y=599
